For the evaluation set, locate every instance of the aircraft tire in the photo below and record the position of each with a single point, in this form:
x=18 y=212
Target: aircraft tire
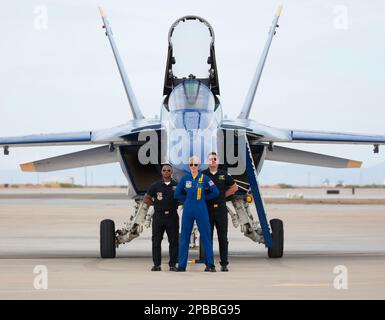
x=277 y=234
x=107 y=239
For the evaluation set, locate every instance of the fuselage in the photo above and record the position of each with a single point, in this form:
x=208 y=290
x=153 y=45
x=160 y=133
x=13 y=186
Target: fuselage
x=190 y=116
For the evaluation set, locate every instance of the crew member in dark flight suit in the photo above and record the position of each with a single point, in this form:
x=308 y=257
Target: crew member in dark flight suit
x=166 y=218
x=217 y=207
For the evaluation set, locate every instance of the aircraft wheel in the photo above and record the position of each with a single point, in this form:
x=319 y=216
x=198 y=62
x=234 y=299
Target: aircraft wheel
x=277 y=233
x=107 y=239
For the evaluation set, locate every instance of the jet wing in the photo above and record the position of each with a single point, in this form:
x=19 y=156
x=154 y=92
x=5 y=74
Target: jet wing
x=125 y=131
x=118 y=135
x=289 y=155
x=84 y=158
x=257 y=130
x=71 y=138
x=269 y=134
x=335 y=137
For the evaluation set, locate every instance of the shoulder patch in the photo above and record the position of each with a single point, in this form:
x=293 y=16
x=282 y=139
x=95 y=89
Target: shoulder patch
x=211 y=183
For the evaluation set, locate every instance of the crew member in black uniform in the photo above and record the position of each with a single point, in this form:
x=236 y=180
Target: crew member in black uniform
x=166 y=218
x=217 y=207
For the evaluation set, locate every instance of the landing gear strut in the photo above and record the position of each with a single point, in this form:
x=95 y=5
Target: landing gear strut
x=260 y=231
x=110 y=238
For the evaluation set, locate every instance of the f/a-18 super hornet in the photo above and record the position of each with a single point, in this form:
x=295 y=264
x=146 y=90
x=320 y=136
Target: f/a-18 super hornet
x=191 y=123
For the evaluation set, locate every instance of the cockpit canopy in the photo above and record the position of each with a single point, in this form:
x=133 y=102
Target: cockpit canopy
x=191 y=95
x=192 y=123
x=191 y=40
x=191 y=106
x=191 y=54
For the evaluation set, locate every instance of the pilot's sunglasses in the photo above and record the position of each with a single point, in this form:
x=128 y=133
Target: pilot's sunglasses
x=193 y=164
x=166 y=170
x=213 y=159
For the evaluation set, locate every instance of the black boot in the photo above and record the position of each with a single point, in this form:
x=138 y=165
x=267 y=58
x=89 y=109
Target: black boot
x=210 y=269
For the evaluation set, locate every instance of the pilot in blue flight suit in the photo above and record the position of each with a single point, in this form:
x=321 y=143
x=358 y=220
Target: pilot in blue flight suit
x=191 y=190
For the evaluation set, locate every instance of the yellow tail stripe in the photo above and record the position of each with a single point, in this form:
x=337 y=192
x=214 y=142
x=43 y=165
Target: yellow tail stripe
x=279 y=10
x=101 y=11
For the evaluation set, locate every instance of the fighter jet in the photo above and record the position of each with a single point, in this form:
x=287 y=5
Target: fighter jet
x=191 y=122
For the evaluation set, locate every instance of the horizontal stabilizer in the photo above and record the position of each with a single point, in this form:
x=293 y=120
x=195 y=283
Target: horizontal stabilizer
x=309 y=158
x=85 y=158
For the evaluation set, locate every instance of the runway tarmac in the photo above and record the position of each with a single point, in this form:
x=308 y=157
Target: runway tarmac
x=62 y=235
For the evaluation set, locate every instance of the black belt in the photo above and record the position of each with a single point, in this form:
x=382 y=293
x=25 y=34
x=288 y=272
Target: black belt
x=217 y=205
x=166 y=211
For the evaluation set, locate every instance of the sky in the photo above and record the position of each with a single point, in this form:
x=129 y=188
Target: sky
x=325 y=70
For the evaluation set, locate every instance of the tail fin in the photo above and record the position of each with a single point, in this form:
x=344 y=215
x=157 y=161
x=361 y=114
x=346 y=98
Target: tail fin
x=137 y=114
x=257 y=76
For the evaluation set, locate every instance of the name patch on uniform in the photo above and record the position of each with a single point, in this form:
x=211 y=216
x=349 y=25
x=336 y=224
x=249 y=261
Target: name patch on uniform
x=211 y=183
x=188 y=184
x=159 y=196
x=221 y=177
